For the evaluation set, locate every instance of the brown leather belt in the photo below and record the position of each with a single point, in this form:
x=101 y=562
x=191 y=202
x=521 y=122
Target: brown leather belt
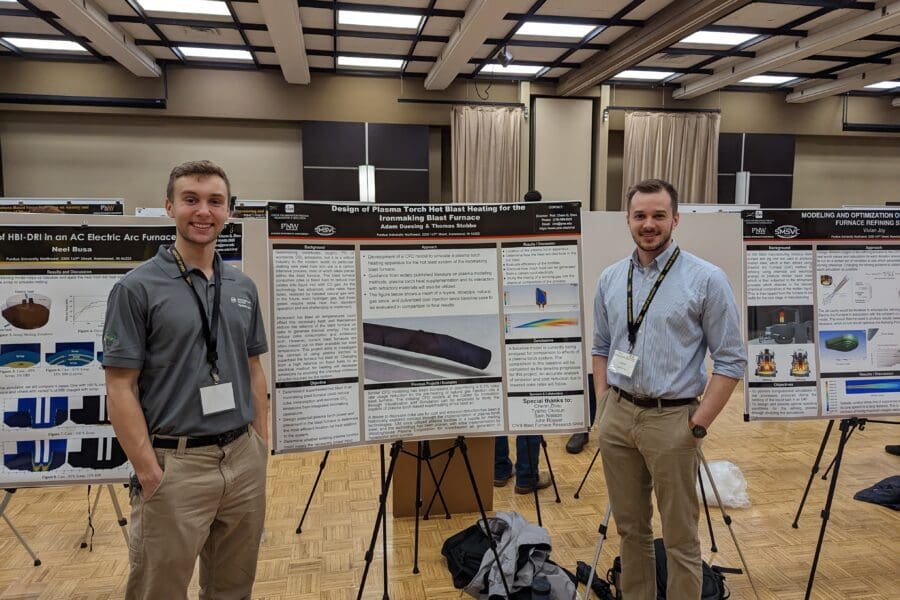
x=648 y=402
x=222 y=439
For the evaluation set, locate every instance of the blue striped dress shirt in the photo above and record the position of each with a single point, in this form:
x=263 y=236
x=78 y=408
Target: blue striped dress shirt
x=693 y=310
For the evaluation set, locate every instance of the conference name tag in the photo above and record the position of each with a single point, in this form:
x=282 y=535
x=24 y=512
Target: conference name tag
x=623 y=363
x=217 y=398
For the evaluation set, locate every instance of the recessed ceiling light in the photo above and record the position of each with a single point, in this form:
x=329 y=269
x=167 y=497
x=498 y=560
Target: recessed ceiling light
x=54 y=45
x=883 y=85
x=377 y=19
x=768 y=79
x=563 y=30
x=228 y=54
x=196 y=7
x=512 y=69
x=370 y=63
x=644 y=75
x=10 y=1
x=718 y=38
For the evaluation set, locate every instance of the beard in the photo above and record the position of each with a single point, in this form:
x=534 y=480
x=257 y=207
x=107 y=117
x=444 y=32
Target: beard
x=652 y=245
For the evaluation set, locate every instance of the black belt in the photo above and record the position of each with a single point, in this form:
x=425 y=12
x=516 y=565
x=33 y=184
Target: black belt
x=648 y=402
x=222 y=439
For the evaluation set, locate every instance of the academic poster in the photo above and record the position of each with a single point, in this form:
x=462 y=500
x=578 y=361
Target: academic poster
x=424 y=321
x=822 y=297
x=54 y=283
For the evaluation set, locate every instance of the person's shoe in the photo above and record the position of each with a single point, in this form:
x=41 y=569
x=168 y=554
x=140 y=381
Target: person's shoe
x=542 y=482
x=576 y=443
x=895 y=450
x=502 y=481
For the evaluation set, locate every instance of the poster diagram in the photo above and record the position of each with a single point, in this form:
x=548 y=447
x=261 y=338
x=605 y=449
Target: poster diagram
x=414 y=322
x=54 y=281
x=823 y=313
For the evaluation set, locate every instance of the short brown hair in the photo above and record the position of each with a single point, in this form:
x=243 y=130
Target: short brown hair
x=652 y=186
x=199 y=168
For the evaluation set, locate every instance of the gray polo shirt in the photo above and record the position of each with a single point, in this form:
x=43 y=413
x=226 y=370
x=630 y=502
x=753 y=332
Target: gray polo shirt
x=153 y=324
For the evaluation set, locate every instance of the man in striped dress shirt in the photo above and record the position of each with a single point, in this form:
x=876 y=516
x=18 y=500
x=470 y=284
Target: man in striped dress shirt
x=656 y=314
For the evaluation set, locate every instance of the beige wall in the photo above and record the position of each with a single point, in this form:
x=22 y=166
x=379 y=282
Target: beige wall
x=116 y=156
x=563 y=133
x=832 y=171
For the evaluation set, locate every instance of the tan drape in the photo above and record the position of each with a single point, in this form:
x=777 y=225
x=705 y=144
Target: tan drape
x=486 y=142
x=682 y=148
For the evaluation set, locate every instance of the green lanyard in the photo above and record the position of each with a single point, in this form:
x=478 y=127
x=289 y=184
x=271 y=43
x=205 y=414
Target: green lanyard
x=210 y=330
x=635 y=324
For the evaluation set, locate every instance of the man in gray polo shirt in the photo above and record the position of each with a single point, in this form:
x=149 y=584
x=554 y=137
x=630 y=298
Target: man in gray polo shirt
x=187 y=398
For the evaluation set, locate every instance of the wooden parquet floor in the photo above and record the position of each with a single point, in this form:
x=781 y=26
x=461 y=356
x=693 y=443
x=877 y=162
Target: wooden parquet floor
x=860 y=559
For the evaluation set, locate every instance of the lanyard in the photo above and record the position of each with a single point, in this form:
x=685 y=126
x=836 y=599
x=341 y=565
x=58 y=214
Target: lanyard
x=210 y=330
x=635 y=324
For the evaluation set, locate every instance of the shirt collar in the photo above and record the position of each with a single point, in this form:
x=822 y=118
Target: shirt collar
x=167 y=263
x=659 y=261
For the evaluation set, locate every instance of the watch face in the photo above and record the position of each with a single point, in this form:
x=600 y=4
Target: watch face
x=699 y=431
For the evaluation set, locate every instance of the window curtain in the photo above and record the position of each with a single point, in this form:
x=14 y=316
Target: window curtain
x=485 y=148
x=682 y=148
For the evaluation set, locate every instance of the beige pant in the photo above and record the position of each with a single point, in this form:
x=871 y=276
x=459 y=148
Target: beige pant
x=646 y=449
x=212 y=503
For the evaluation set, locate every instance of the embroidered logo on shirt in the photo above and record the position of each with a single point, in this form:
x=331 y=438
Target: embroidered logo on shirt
x=242 y=302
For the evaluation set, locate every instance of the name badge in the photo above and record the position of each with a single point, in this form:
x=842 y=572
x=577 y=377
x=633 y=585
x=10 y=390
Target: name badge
x=623 y=363
x=217 y=398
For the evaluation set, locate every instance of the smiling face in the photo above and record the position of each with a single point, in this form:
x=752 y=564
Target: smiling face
x=651 y=222
x=199 y=205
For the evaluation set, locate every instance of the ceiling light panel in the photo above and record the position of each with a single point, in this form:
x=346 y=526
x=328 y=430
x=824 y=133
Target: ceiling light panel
x=513 y=69
x=767 y=79
x=883 y=85
x=716 y=38
x=194 y=7
x=557 y=30
x=644 y=75
x=225 y=54
x=378 y=19
x=369 y=63
x=45 y=45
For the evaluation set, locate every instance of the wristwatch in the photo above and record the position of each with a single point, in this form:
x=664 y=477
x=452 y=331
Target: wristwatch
x=699 y=431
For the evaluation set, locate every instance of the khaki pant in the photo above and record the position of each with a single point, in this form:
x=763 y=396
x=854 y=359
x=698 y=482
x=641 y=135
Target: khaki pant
x=212 y=503
x=646 y=449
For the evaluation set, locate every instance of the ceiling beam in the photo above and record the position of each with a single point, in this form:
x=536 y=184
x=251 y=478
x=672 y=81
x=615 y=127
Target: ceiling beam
x=846 y=83
x=846 y=31
x=667 y=27
x=91 y=22
x=283 y=21
x=481 y=17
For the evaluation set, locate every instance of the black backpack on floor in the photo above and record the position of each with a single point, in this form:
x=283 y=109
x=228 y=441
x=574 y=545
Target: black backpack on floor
x=713 y=578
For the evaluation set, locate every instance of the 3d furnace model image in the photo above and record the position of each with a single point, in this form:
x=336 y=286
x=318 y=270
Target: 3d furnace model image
x=765 y=364
x=800 y=364
x=540 y=297
x=842 y=343
x=427 y=342
x=781 y=324
x=27 y=311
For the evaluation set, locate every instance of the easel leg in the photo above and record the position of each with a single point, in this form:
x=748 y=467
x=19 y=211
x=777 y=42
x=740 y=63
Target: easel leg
x=532 y=469
x=586 y=473
x=6 y=499
x=726 y=518
x=438 y=482
x=313 y=490
x=712 y=535
x=847 y=426
x=812 y=473
x=419 y=450
x=550 y=469
x=384 y=549
x=461 y=442
x=604 y=527
x=382 y=502
x=120 y=519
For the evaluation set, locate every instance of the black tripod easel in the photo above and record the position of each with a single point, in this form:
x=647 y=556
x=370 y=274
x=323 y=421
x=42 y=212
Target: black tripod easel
x=846 y=427
x=380 y=518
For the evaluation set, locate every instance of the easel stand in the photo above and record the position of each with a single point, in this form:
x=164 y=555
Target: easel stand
x=813 y=471
x=313 y=491
x=847 y=427
x=7 y=497
x=396 y=448
x=120 y=519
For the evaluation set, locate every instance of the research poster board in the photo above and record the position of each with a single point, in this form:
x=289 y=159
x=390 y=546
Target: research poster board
x=66 y=206
x=54 y=283
x=822 y=301
x=424 y=321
